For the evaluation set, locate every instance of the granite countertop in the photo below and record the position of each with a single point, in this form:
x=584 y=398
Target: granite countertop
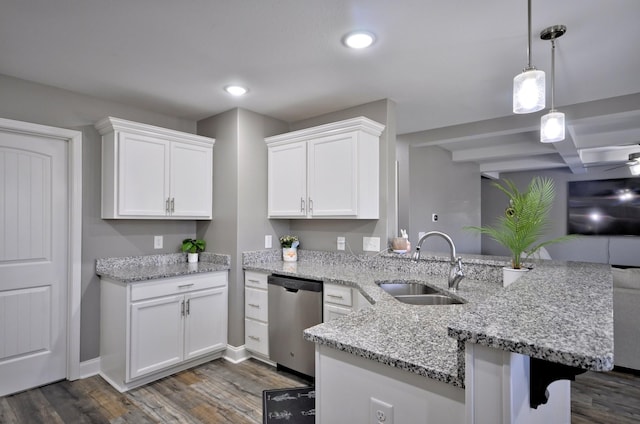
x=560 y=311
x=132 y=269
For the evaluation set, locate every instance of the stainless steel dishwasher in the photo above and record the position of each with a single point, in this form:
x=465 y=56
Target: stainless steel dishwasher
x=294 y=304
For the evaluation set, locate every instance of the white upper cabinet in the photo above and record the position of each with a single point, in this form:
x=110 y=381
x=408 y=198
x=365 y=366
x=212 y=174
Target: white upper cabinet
x=154 y=173
x=329 y=171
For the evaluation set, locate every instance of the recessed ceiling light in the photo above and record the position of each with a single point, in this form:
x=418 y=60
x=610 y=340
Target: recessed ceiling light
x=358 y=39
x=235 y=90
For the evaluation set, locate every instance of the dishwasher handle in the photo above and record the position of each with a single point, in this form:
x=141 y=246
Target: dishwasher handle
x=293 y=284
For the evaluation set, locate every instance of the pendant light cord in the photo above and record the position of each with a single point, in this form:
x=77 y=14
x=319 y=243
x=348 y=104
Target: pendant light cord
x=529 y=34
x=553 y=73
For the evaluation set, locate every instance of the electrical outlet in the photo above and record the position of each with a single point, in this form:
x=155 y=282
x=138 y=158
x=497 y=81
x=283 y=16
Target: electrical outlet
x=157 y=242
x=268 y=241
x=371 y=244
x=341 y=243
x=380 y=412
x=434 y=217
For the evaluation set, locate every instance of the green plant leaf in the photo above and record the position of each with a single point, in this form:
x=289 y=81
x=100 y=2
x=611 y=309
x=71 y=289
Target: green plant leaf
x=527 y=220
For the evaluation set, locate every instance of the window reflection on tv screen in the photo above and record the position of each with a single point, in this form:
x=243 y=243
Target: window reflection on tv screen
x=604 y=207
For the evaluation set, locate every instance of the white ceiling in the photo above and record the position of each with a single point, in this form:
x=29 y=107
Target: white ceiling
x=444 y=63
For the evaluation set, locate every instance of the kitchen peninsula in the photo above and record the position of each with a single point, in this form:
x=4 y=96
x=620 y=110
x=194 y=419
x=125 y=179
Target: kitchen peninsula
x=453 y=363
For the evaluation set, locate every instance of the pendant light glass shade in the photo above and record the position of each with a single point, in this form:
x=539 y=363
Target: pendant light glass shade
x=529 y=91
x=529 y=85
x=552 y=124
x=552 y=127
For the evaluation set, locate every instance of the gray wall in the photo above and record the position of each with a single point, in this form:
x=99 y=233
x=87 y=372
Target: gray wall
x=322 y=234
x=404 y=186
x=451 y=190
x=616 y=250
x=239 y=198
x=25 y=101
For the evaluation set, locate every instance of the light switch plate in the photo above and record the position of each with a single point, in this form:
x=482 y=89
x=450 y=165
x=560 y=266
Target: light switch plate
x=157 y=242
x=341 y=243
x=268 y=241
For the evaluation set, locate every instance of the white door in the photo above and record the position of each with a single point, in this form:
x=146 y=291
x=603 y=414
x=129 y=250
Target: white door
x=191 y=180
x=333 y=175
x=287 y=180
x=143 y=176
x=34 y=211
x=206 y=323
x=157 y=334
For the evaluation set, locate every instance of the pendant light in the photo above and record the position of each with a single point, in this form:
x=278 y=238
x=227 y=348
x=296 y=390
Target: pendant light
x=529 y=85
x=552 y=124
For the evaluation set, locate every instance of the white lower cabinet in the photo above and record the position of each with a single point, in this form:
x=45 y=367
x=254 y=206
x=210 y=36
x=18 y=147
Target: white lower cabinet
x=256 y=314
x=152 y=329
x=339 y=300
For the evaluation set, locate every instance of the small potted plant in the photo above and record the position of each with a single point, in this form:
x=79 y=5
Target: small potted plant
x=524 y=223
x=193 y=247
x=289 y=246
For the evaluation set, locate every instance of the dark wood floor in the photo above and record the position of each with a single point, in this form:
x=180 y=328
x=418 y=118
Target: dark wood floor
x=220 y=392
x=611 y=397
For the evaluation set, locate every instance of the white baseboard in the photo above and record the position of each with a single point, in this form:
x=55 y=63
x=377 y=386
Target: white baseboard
x=236 y=354
x=233 y=354
x=90 y=368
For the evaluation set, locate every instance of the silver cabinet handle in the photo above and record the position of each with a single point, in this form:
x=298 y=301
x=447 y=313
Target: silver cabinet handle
x=173 y=204
x=189 y=307
x=335 y=296
x=166 y=205
x=254 y=338
x=253 y=305
x=185 y=286
x=254 y=281
x=182 y=308
x=310 y=204
x=301 y=205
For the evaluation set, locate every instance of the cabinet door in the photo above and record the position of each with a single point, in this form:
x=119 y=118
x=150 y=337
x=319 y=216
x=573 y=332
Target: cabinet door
x=156 y=337
x=333 y=176
x=206 y=322
x=191 y=180
x=287 y=180
x=143 y=175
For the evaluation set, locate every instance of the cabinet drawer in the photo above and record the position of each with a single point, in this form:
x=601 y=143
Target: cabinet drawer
x=256 y=337
x=332 y=312
x=255 y=279
x=256 y=304
x=169 y=286
x=339 y=295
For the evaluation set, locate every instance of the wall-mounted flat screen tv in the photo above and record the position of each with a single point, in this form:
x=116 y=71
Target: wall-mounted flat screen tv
x=604 y=207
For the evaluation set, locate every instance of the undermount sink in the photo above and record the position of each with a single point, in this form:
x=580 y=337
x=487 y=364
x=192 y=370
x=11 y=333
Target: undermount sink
x=418 y=294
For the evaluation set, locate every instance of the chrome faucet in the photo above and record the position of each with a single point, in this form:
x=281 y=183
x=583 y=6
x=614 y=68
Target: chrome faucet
x=456 y=273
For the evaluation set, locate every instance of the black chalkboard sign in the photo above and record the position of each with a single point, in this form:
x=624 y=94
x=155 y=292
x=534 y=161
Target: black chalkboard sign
x=292 y=406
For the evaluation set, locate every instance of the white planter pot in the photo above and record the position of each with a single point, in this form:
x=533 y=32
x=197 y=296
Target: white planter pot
x=289 y=254
x=509 y=275
x=192 y=257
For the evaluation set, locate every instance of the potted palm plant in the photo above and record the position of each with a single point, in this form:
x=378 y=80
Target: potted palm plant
x=192 y=247
x=524 y=223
